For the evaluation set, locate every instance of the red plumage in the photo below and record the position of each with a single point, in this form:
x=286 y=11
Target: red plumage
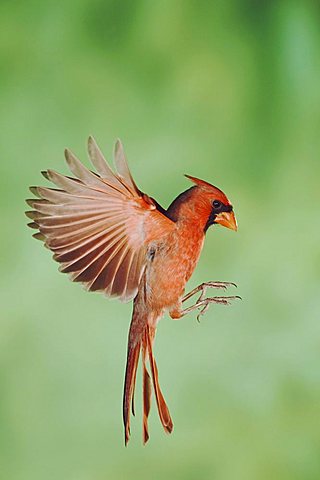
x=113 y=238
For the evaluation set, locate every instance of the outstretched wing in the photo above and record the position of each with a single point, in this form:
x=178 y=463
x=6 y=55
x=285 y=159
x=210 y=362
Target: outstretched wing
x=98 y=226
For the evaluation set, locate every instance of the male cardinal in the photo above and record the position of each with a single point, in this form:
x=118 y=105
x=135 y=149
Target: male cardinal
x=115 y=239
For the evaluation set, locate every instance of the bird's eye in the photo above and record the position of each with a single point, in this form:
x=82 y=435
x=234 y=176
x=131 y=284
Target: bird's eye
x=216 y=204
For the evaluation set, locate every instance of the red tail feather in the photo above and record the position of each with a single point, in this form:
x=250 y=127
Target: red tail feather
x=142 y=340
x=130 y=378
x=146 y=391
x=161 y=404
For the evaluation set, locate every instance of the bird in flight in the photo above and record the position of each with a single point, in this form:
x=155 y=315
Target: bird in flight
x=113 y=238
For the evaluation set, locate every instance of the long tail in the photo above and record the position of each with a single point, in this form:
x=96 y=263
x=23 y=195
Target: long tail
x=146 y=390
x=144 y=342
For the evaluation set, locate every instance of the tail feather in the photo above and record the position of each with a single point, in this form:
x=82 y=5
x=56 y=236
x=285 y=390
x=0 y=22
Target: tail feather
x=163 y=410
x=146 y=393
x=133 y=410
x=143 y=339
x=129 y=384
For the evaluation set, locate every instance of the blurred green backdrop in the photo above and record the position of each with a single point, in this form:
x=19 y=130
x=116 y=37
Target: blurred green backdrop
x=228 y=92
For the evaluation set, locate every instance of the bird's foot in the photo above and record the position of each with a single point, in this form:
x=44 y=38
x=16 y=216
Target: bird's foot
x=205 y=285
x=203 y=304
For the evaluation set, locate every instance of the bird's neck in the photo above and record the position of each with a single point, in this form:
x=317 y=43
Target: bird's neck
x=194 y=226
x=190 y=210
x=193 y=217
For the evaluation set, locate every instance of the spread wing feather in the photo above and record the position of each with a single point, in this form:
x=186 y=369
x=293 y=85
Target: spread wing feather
x=122 y=167
x=98 y=225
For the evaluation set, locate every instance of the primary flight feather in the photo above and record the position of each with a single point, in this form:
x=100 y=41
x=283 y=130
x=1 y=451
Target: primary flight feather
x=111 y=237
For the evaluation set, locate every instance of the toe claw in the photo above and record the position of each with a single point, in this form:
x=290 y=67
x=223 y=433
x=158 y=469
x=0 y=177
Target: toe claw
x=203 y=303
x=203 y=311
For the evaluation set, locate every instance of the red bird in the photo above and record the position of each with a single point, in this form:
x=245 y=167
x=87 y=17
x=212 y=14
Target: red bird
x=113 y=238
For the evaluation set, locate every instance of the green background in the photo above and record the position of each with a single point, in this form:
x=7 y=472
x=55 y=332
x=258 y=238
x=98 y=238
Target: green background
x=227 y=91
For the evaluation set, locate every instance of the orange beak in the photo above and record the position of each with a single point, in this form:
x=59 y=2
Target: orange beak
x=227 y=219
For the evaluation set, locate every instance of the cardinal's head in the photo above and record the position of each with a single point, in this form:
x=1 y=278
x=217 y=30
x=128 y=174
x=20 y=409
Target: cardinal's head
x=216 y=208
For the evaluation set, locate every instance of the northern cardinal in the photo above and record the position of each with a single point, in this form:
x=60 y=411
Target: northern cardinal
x=113 y=238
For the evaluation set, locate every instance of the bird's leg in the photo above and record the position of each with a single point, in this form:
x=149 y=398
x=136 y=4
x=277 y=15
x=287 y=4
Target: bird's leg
x=203 y=288
x=203 y=303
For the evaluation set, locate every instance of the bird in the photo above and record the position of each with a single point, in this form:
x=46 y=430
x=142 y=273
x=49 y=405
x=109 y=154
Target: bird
x=111 y=237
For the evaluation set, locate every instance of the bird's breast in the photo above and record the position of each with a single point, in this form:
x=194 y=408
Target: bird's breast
x=170 y=266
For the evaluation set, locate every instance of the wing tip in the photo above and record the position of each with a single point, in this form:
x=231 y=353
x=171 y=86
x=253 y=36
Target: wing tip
x=30 y=202
x=118 y=145
x=91 y=140
x=34 y=190
x=92 y=145
x=33 y=225
x=70 y=157
x=30 y=214
x=39 y=236
x=44 y=173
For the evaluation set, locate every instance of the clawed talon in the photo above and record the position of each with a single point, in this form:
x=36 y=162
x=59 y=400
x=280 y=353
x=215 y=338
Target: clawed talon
x=205 y=303
x=205 y=285
x=203 y=311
